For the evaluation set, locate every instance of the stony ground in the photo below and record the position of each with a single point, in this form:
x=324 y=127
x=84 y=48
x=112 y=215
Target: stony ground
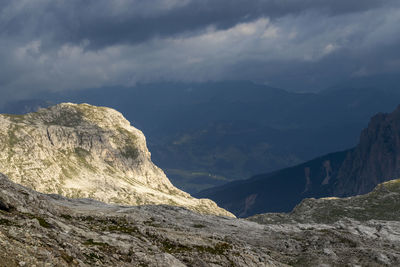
x=50 y=230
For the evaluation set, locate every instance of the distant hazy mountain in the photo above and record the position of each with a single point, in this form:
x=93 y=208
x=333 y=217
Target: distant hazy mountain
x=206 y=134
x=357 y=171
x=387 y=82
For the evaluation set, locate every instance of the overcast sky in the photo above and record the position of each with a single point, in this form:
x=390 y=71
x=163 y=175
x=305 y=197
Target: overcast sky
x=294 y=44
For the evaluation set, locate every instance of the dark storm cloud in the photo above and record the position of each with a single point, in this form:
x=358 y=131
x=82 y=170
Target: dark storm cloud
x=104 y=22
x=298 y=44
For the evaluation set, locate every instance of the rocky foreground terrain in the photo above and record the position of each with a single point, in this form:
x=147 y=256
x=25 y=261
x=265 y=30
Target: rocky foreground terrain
x=50 y=230
x=79 y=150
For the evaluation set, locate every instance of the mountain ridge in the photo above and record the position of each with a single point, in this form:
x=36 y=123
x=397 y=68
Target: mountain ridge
x=355 y=171
x=79 y=150
x=287 y=128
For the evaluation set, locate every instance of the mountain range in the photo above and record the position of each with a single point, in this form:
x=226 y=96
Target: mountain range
x=374 y=160
x=81 y=156
x=207 y=134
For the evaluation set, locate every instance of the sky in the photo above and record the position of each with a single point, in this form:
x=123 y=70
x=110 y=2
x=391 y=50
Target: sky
x=303 y=45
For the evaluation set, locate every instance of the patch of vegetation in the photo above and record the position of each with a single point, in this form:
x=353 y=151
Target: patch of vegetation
x=341 y=239
x=66 y=216
x=5 y=222
x=93 y=256
x=123 y=229
x=303 y=260
x=93 y=113
x=12 y=138
x=69 y=171
x=66 y=257
x=172 y=202
x=393 y=185
x=42 y=222
x=218 y=249
x=90 y=242
x=151 y=222
x=82 y=155
x=87 y=218
x=127 y=141
x=15 y=117
x=124 y=132
x=129 y=151
x=81 y=152
x=75 y=193
x=170 y=247
x=47 y=163
x=68 y=117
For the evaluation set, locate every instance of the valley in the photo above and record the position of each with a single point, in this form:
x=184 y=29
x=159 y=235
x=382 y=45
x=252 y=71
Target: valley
x=234 y=129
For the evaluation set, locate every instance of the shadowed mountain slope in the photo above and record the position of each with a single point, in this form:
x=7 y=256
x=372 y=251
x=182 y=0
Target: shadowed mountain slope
x=357 y=171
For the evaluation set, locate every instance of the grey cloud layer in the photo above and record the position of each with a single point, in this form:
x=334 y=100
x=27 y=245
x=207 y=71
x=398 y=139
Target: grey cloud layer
x=60 y=44
x=106 y=22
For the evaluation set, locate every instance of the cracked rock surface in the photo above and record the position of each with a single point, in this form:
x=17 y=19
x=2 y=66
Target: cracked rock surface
x=39 y=229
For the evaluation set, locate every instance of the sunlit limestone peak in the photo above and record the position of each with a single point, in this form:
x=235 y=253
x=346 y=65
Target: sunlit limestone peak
x=83 y=151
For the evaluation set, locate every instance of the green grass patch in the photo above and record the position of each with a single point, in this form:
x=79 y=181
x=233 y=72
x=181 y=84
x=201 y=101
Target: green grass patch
x=90 y=242
x=66 y=216
x=82 y=155
x=42 y=222
x=5 y=222
x=68 y=117
x=123 y=229
x=129 y=151
x=219 y=249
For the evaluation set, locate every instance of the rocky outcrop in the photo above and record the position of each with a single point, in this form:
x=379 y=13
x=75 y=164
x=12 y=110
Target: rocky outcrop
x=375 y=159
x=383 y=203
x=83 y=151
x=39 y=229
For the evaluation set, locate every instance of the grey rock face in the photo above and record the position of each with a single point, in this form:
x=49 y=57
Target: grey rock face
x=362 y=230
x=87 y=151
x=38 y=229
x=44 y=229
x=375 y=159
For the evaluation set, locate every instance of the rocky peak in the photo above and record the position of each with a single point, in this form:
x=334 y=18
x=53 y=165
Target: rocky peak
x=375 y=159
x=83 y=151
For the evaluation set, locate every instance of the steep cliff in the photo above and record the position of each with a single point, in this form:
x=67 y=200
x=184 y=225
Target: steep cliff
x=83 y=151
x=375 y=159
